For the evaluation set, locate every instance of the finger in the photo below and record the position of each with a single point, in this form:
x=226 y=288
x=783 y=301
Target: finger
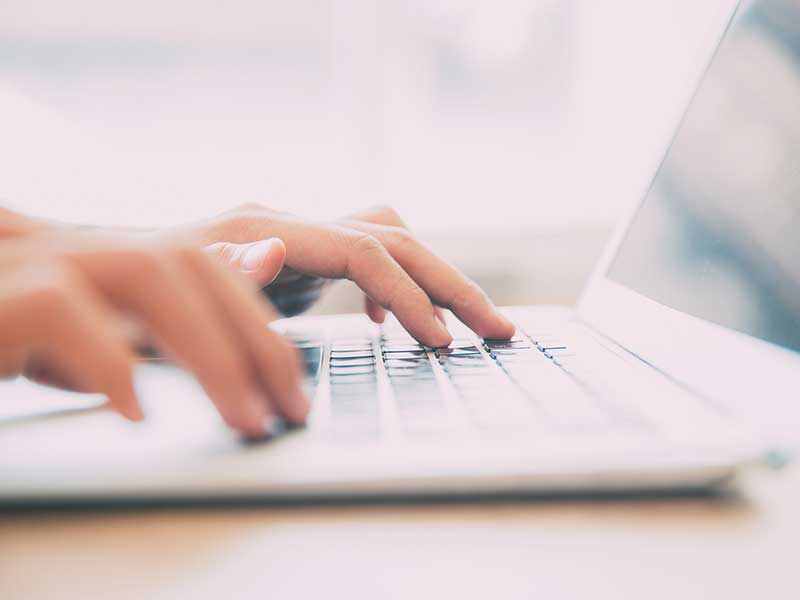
x=445 y=284
x=385 y=215
x=156 y=287
x=375 y=311
x=371 y=266
x=261 y=261
x=55 y=318
x=274 y=361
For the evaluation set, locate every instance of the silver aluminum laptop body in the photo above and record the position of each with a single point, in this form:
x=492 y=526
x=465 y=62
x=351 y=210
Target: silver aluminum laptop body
x=678 y=367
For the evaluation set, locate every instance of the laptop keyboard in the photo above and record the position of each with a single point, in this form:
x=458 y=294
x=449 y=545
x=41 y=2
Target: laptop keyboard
x=389 y=382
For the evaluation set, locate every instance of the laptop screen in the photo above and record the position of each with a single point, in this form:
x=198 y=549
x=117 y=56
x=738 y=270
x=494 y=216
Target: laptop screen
x=718 y=233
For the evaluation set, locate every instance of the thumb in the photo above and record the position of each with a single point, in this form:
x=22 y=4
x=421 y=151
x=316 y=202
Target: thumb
x=261 y=261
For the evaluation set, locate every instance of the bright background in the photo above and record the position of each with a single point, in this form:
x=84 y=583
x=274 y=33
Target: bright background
x=510 y=135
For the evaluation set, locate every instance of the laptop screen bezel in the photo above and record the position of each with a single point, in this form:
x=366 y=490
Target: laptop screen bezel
x=720 y=363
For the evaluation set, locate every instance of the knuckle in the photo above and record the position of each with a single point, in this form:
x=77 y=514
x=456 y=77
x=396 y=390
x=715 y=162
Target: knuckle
x=363 y=249
x=402 y=239
x=364 y=243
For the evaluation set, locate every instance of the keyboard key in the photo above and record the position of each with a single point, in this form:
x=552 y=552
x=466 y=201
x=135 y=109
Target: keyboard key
x=481 y=383
x=396 y=373
x=549 y=343
x=473 y=350
x=343 y=381
x=518 y=354
x=463 y=367
x=336 y=347
x=392 y=348
x=407 y=364
x=348 y=387
x=358 y=354
x=340 y=371
x=466 y=360
x=508 y=345
x=517 y=337
x=469 y=376
x=349 y=362
x=355 y=402
x=457 y=345
x=409 y=385
x=560 y=352
x=405 y=354
x=516 y=365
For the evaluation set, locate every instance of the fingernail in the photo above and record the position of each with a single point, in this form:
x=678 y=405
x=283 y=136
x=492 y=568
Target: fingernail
x=444 y=336
x=253 y=256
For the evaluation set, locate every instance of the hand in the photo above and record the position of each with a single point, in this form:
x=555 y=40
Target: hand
x=376 y=251
x=63 y=299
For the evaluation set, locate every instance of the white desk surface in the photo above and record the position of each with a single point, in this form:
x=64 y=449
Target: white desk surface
x=745 y=547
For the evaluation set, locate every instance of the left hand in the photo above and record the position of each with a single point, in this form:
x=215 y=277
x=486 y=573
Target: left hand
x=372 y=248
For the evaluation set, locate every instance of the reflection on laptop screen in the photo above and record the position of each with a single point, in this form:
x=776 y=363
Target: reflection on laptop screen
x=718 y=235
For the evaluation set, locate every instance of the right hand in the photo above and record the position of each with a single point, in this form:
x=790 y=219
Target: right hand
x=374 y=249
x=64 y=297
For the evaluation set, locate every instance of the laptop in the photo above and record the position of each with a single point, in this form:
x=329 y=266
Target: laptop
x=679 y=367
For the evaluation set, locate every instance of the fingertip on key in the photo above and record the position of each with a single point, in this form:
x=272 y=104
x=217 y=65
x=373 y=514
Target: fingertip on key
x=505 y=326
x=498 y=327
x=442 y=337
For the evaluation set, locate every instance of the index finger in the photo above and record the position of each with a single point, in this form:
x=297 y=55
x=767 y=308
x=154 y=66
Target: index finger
x=445 y=284
x=275 y=360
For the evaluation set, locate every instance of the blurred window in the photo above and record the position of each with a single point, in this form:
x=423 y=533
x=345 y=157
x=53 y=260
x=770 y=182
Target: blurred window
x=462 y=113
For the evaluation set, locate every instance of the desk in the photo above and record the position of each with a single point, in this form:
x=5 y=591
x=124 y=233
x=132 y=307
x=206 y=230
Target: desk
x=742 y=547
